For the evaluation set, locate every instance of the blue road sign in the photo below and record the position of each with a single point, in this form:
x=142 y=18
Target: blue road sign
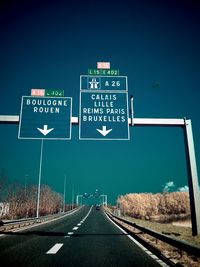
x=112 y=83
x=45 y=118
x=103 y=115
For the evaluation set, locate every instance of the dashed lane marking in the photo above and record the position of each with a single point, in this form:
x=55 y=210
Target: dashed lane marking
x=55 y=248
x=69 y=234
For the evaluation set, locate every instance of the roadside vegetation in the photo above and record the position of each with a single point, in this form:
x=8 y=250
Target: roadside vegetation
x=167 y=213
x=18 y=201
x=161 y=207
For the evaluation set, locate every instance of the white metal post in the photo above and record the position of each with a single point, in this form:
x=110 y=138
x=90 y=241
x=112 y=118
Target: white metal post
x=192 y=179
x=102 y=199
x=106 y=200
x=77 y=199
x=132 y=111
x=64 y=194
x=39 y=180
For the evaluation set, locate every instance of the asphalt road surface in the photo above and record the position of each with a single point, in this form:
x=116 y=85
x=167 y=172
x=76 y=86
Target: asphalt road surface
x=85 y=238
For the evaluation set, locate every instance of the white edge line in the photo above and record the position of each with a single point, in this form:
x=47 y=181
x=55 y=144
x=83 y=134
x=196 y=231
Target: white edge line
x=55 y=248
x=45 y=222
x=141 y=246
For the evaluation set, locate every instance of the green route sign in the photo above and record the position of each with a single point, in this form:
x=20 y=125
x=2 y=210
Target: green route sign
x=103 y=72
x=54 y=92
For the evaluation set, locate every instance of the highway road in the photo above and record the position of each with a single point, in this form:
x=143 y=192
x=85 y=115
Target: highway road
x=85 y=238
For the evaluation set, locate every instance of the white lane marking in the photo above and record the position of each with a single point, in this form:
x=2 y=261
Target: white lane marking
x=45 y=222
x=70 y=233
x=163 y=264
x=87 y=214
x=55 y=248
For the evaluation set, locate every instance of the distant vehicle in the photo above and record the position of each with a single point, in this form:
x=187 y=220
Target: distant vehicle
x=98 y=207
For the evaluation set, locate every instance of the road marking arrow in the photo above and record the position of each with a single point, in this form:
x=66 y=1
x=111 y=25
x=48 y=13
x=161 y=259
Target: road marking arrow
x=45 y=130
x=104 y=132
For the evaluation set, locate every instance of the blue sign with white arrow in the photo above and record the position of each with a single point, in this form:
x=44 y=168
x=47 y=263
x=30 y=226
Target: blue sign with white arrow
x=103 y=115
x=45 y=118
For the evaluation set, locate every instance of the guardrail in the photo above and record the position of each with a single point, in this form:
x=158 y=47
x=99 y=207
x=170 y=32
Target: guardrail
x=12 y=224
x=181 y=245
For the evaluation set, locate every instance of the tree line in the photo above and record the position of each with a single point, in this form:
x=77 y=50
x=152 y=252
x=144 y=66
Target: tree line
x=148 y=206
x=22 y=201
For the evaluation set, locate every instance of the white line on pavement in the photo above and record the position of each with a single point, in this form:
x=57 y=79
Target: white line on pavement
x=54 y=249
x=163 y=264
x=69 y=234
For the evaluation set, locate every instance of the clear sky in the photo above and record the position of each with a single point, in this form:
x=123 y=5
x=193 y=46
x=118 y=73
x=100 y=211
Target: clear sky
x=49 y=44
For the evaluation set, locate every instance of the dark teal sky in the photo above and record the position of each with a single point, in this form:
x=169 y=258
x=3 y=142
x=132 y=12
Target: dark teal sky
x=49 y=44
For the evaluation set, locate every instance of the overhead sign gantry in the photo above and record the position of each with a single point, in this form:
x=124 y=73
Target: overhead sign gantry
x=92 y=87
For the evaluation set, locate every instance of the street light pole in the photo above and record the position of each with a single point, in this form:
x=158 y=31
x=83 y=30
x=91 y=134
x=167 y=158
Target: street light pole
x=39 y=180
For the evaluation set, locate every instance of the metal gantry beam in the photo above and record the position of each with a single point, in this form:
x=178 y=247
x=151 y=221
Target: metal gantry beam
x=9 y=119
x=190 y=155
x=137 y=121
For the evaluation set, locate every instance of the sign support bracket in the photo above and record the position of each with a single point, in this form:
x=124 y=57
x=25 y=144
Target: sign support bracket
x=192 y=178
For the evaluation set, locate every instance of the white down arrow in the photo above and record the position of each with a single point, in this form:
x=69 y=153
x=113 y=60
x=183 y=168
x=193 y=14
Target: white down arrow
x=45 y=130
x=104 y=132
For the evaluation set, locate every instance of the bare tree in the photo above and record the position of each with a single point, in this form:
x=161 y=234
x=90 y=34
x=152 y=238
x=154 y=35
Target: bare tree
x=23 y=202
